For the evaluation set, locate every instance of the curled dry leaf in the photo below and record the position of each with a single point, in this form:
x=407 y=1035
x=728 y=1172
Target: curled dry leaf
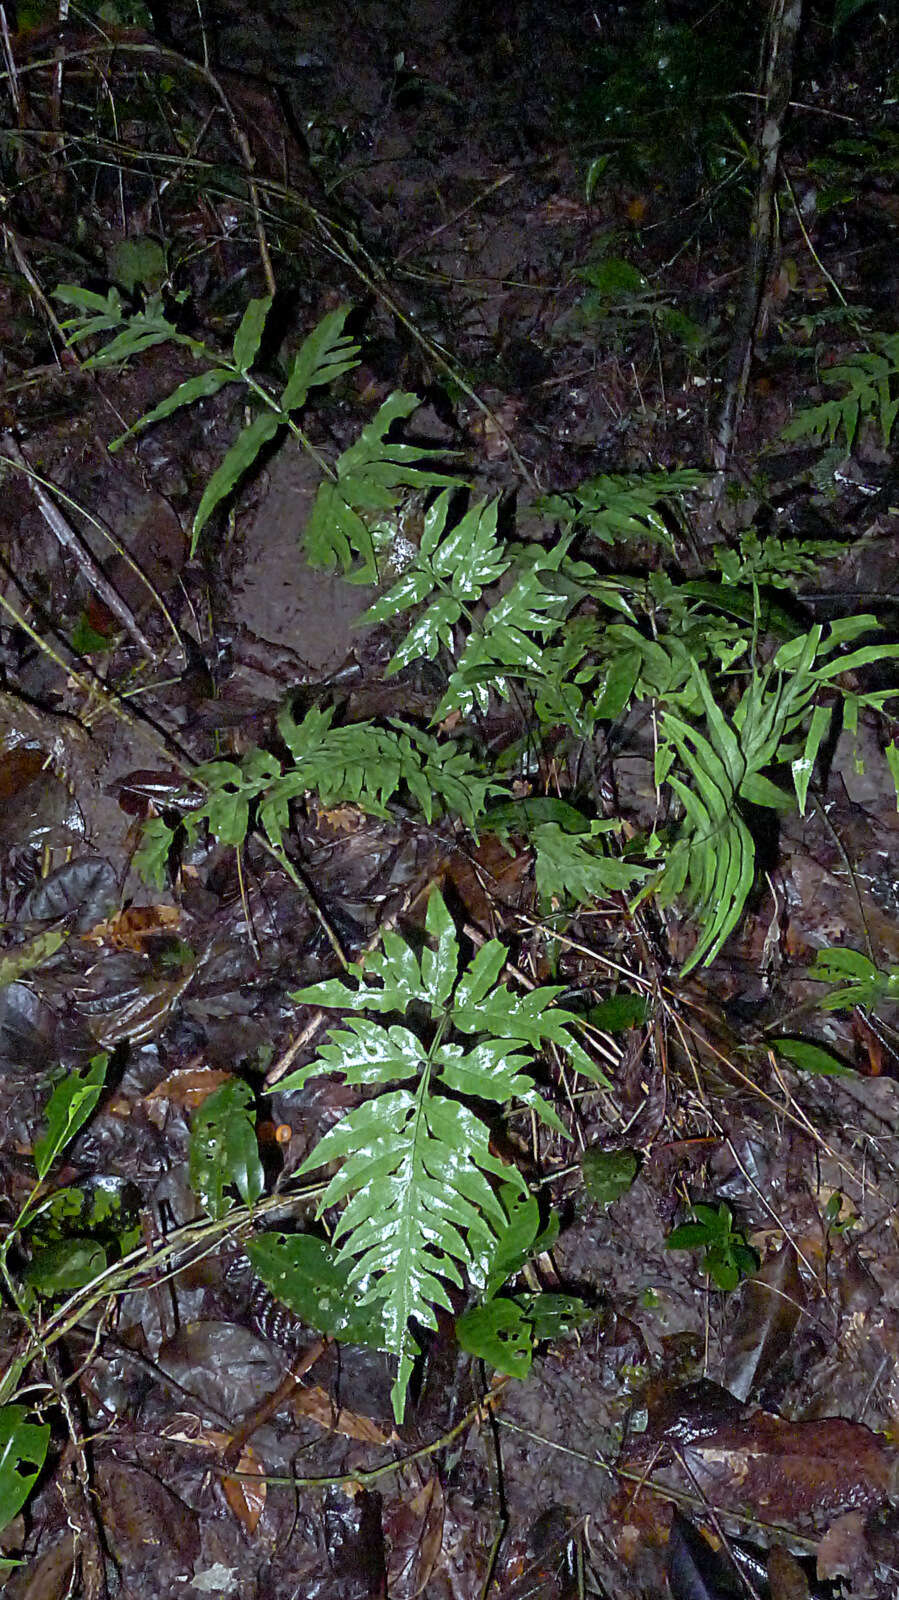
x=770 y=1308
x=315 y=1405
x=188 y=1086
x=131 y=929
x=414 y=1529
x=246 y=1493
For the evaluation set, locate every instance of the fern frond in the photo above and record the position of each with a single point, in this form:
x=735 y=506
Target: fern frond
x=371 y=477
x=458 y=565
x=614 y=507
x=419 y=1187
x=871 y=391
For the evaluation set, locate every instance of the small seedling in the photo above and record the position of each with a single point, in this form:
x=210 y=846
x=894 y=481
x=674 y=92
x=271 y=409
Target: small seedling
x=835 y=1220
x=726 y=1256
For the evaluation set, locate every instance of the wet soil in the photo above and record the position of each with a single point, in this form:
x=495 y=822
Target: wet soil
x=456 y=173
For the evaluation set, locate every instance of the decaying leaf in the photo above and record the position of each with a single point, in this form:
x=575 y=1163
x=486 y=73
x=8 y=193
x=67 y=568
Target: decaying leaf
x=188 y=1086
x=132 y=928
x=770 y=1310
x=798 y=1473
x=316 y=1405
x=414 y=1529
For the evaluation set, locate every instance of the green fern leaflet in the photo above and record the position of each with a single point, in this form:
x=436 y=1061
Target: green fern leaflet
x=416 y=1178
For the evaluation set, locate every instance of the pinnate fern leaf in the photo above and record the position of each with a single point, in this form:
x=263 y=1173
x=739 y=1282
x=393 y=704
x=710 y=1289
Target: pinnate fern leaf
x=371 y=477
x=870 y=381
x=616 y=507
x=418 y=1183
x=458 y=565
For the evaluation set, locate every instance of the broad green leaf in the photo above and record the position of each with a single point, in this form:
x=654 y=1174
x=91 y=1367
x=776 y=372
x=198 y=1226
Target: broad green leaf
x=72 y=294
x=303 y=1273
x=836 y=963
x=371 y=477
x=608 y=1174
x=519 y=1239
x=33 y=953
x=413 y=1171
x=137 y=261
x=65 y=1265
x=23 y=1450
x=186 y=394
x=499 y=1332
x=248 y=337
x=758 y=790
x=229 y=472
x=809 y=1057
x=365 y=1053
x=554 y=1316
x=223 y=1149
x=620 y=1011
x=492 y=1072
x=71 y=1103
x=863 y=984
x=573 y=869
x=857 y=658
x=520 y=816
x=616 y=686
x=439 y=967
x=480 y=977
x=689 y=1236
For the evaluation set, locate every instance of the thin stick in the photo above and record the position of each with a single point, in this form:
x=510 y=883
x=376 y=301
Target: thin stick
x=71 y=541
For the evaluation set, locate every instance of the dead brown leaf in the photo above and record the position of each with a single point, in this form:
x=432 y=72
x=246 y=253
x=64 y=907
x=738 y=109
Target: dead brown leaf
x=130 y=929
x=245 y=1496
x=189 y=1086
x=792 y=1472
x=414 y=1530
x=315 y=1405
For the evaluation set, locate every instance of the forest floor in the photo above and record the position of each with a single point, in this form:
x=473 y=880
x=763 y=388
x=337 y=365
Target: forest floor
x=541 y=215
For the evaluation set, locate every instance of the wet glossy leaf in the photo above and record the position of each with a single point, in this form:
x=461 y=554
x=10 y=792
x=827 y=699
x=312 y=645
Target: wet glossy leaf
x=809 y=1057
x=68 y=1108
x=308 y=1277
x=223 y=1149
x=499 y=1332
x=86 y=888
x=608 y=1174
x=142 y=1012
x=792 y=1472
x=23 y=1448
x=25 y=957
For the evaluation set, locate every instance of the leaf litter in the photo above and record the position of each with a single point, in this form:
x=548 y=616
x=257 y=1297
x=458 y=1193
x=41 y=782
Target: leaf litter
x=245 y=799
